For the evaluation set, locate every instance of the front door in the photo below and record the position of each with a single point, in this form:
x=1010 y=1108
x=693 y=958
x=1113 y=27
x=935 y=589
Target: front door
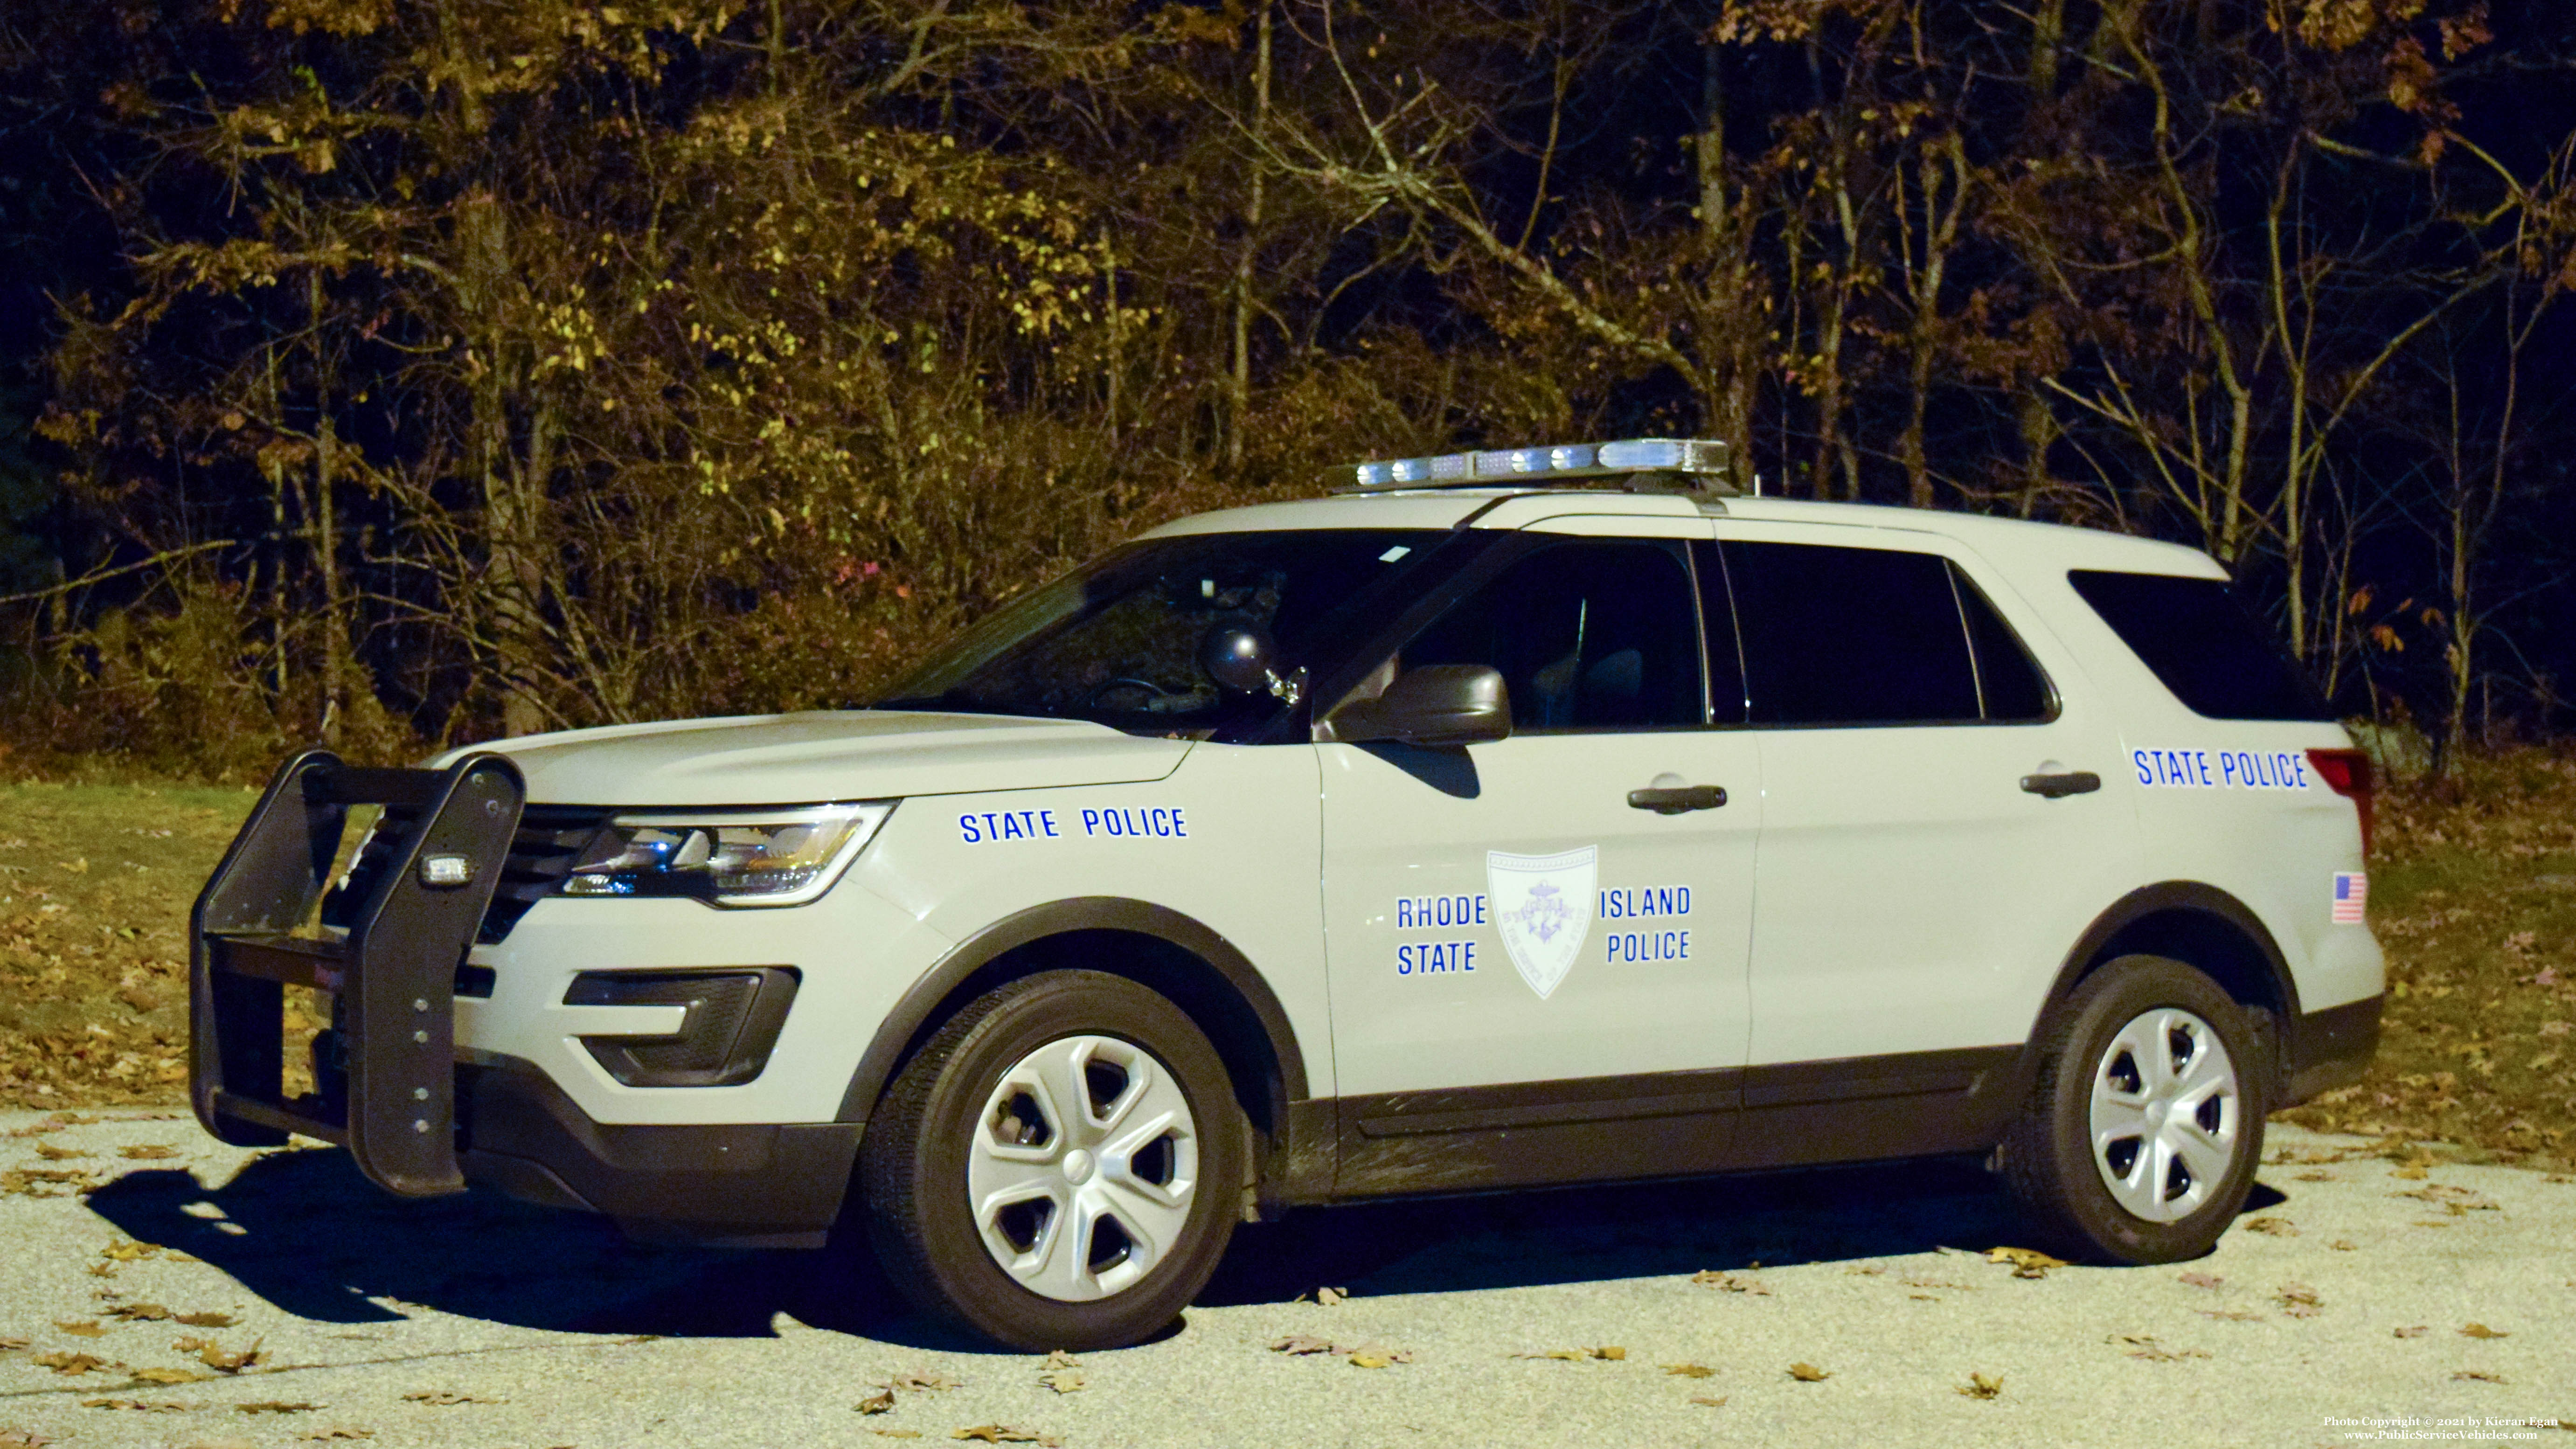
x=1520 y=957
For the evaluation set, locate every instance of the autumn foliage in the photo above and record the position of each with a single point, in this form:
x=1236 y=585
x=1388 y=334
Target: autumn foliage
x=432 y=371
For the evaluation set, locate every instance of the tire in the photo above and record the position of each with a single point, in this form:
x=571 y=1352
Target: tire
x=1098 y=1129
x=2097 y=1170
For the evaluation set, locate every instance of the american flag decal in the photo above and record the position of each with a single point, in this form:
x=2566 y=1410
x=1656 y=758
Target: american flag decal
x=2352 y=889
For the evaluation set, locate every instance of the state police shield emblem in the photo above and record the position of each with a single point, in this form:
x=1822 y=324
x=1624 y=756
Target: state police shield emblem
x=1543 y=906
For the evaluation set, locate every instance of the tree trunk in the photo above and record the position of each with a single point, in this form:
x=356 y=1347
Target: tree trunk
x=1239 y=384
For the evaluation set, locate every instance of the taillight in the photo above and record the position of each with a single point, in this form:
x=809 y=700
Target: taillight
x=2347 y=773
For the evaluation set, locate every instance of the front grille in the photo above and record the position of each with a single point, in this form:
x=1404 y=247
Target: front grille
x=549 y=840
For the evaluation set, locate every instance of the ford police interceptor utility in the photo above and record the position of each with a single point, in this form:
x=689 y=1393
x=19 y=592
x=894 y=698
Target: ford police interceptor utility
x=1513 y=818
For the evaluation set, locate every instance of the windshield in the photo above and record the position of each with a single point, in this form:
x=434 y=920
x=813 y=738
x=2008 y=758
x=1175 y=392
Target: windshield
x=1121 y=640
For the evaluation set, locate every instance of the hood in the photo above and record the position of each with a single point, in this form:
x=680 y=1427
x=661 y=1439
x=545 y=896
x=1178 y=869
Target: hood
x=795 y=759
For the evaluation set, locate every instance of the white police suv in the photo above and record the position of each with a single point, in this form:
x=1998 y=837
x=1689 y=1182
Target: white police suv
x=1518 y=817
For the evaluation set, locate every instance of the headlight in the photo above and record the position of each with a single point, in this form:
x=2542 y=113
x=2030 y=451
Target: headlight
x=728 y=858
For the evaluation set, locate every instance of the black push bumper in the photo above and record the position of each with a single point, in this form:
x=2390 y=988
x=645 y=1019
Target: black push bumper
x=389 y=1094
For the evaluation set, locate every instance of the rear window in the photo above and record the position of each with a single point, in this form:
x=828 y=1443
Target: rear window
x=2203 y=644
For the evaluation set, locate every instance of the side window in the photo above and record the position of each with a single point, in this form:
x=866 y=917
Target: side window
x=1845 y=636
x=1593 y=635
x=2204 y=644
x=2009 y=683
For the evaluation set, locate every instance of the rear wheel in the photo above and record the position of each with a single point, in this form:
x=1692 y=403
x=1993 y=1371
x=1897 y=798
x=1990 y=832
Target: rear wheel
x=2144 y=1128
x=1058 y=1167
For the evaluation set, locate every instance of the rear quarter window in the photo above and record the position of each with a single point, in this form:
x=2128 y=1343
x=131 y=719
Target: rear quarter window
x=2203 y=644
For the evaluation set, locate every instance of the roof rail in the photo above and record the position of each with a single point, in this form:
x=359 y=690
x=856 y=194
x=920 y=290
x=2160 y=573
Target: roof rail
x=1650 y=465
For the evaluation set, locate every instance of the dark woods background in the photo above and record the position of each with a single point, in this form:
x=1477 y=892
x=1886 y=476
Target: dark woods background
x=398 y=372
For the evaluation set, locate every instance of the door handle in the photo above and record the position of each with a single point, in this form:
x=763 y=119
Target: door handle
x=1678 y=801
x=2058 y=787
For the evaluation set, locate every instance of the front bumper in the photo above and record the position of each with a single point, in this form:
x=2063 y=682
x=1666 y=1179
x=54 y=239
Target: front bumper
x=748 y=1186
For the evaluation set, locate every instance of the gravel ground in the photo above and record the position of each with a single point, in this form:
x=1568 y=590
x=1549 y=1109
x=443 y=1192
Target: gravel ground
x=2347 y=1295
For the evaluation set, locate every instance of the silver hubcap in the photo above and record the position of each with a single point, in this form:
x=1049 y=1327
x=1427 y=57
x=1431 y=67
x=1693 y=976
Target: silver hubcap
x=1083 y=1166
x=2165 y=1114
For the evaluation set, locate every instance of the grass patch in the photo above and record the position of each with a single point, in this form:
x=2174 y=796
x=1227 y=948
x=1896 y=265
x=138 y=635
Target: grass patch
x=2473 y=895
x=95 y=885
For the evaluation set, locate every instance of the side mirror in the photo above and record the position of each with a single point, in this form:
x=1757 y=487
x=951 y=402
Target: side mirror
x=1436 y=704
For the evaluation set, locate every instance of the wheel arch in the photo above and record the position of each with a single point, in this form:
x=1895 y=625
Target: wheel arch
x=1161 y=949
x=2204 y=928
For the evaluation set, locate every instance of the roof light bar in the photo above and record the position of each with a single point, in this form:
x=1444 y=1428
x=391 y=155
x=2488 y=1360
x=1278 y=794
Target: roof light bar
x=1706 y=460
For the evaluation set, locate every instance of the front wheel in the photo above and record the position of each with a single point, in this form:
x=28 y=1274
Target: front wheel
x=2144 y=1128
x=1059 y=1167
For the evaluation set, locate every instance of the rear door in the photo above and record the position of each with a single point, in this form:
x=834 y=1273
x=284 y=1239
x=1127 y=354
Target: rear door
x=1935 y=834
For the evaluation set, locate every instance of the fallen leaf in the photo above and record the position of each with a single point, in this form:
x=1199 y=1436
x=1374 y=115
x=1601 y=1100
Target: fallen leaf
x=22 y=1439
x=140 y=1406
x=1712 y=1403
x=2319 y=1177
x=444 y=1397
x=139 y=1312
x=2202 y=1280
x=86 y=1328
x=335 y=1432
x=1379 y=1355
x=995 y=1434
x=2458 y=1199
x=2272 y=1227
x=1327 y=1297
x=2479 y=1376
x=147 y=1151
x=11 y=1345
x=2298 y=1300
x=2410 y=1173
x=1297 y=1343
x=1612 y=1352
x=68 y=1363
x=51 y=1153
x=1063 y=1381
x=1807 y=1373
x=170 y=1376
x=2418 y=1331
x=2344 y=1245
x=2149 y=1349
x=203 y=1320
x=1689 y=1370
x=2027 y=1262
x=278 y=1406
x=1981 y=1386
x=128 y=1252
x=924 y=1380
x=1369 y=1361
x=1059 y=1359
x=2480 y=1330
x=1575 y=1355
x=877 y=1403
x=1711 y=1278
x=215 y=1356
